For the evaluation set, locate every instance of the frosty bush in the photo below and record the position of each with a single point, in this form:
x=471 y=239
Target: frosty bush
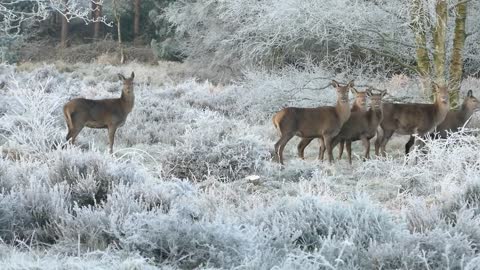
x=192 y=183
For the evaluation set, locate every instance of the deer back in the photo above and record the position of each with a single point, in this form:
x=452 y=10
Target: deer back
x=314 y=122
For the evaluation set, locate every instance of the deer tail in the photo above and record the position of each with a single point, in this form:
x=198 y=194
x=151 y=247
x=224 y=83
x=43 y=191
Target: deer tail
x=68 y=117
x=277 y=120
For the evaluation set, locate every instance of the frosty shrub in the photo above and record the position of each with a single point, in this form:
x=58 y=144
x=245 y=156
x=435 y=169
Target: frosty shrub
x=192 y=183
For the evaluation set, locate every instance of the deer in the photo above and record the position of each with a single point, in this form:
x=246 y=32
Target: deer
x=104 y=113
x=321 y=122
x=359 y=104
x=412 y=118
x=362 y=125
x=453 y=121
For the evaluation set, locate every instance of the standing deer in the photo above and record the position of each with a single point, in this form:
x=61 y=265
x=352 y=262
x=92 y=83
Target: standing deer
x=362 y=125
x=412 y=118
x=103 y=113
x=453 y=121
x=360 y=104
x=322 y=122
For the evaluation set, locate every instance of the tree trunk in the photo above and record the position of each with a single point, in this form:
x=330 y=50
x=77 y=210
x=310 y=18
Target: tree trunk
x=64 y=30
x=119 y=32
x=97 y=13
x=419 y=27
x=136 y=20
x=456 y=65
x=439 y=41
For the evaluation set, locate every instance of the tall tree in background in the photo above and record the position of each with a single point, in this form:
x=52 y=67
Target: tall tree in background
x=64 y=27
x=136 y=19
x=96 y=14
x=432 y=39
x=419 y=26
x=439 y=42
x=456 y=63
x=116 y=14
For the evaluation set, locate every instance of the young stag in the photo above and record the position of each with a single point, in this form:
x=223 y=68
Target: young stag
x=104 y=113
x=453 y=121
x=322 y=122
x=412 y=118
x=359 y=105
x=362 y=125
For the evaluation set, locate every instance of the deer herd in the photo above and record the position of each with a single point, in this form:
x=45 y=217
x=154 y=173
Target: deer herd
x=342 y=125
x=331 y=125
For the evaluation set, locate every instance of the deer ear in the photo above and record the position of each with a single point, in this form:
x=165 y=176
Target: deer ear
x=351 y=84
x=335 y=84
x=470 y=93
x=384 y=92
x=435 y=86
x=132 y=76
x=121 y=77
x=369 y=91
x=354 y=91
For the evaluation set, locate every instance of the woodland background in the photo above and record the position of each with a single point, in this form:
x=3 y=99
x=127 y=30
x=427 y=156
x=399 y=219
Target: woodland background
x=191 y=183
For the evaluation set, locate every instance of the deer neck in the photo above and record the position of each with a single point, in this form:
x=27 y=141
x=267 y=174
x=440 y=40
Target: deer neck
x=127 y=101
x=343 y=111
x=357 y=108
x=464 y=113
x=441 y=110
x=375 y=115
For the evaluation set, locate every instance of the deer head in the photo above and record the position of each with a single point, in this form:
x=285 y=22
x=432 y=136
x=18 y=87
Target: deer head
x=360 y=97
x=342 y=91
x=441 y=93
x=376 y=99
x=127 y=84
x=471 y=102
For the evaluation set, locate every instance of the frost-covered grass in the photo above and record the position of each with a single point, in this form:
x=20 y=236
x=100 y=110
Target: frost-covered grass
x=191 y=183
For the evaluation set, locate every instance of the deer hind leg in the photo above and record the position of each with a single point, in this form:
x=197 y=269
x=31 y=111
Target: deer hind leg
x=73 y=133
x=409 y=144
x=340 y=149
x=111 y=136
x=301 y=146
x=349 y=151
x=280 y=145
x=366 y=147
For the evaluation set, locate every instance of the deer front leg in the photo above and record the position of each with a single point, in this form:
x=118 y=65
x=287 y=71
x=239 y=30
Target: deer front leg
x=366 y=147
x=349 y=151
x=328 y=144
x=321 y=153
x=340 y=149
x=111 y=136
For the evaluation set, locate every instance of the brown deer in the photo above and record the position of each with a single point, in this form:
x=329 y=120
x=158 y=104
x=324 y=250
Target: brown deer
x=103 y=113
x=322 y=122
x=360 y=104
x=453 y=121
x=362 y=125
x=412 y=118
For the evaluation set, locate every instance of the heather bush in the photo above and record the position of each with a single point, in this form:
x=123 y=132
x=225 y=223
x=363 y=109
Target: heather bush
x=192 y=185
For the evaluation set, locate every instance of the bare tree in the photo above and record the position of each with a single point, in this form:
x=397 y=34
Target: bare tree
x=119 y=28
x=96 y=14
x=136 y=20
x=64 y=30
x=13 y=19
